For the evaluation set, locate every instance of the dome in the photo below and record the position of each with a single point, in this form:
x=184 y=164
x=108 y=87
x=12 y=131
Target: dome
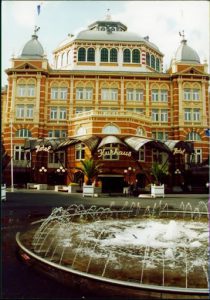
x=33 y=49
x=186 y=54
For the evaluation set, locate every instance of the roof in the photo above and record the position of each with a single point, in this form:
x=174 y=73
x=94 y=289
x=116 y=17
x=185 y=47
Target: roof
x=33 y=49
x=185 y=53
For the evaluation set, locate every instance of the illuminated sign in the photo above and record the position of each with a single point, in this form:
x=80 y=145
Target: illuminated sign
x=179 y=151
x=42 y=148
x=112 y=152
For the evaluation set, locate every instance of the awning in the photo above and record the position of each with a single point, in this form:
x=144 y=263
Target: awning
x=178 y=145
x=90 y=141
x=110 y=139
x=137 y=142
x=33 y=144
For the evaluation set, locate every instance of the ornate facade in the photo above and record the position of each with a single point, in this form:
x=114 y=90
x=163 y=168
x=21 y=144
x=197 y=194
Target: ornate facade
x=106 y=96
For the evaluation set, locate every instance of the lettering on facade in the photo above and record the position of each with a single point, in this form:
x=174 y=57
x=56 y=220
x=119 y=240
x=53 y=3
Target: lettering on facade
x=179 y=151
x=42 y=148
x=112 y=152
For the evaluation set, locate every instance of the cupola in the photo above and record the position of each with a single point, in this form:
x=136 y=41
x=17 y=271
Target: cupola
x=33 y=48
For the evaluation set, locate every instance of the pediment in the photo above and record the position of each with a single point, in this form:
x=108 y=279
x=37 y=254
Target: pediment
x=192 y=70
x=26 y=66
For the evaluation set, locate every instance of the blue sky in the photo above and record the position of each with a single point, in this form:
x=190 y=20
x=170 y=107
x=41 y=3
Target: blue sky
x=160 y=20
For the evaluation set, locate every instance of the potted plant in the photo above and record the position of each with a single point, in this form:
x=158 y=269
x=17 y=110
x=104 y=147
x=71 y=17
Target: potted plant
x=90 y=169
x=73 y=187
x=159 y=172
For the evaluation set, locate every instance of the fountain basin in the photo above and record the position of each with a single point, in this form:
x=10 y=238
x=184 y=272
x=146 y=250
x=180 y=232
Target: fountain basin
x=124 y=257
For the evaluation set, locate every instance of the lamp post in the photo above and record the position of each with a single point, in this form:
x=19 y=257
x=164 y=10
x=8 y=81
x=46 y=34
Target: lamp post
x=61 y=170
x=42 y=170
x=128 y=174
x=177 y=174
x=11 y=149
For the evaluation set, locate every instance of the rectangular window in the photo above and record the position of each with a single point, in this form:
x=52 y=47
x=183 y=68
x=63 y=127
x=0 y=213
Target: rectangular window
x=187 y=93
x=29 y=111
x=114 y=94
x=109 y=94
x=88 y=93
x=19 y=153
x=56 y=158
x=139 y=95
x=110 y=152
x=142 y=154
x=31 y=90
x=164 y=115
x=155 y=115
x=80 y=151
x=79 y=94
x=196 y=157
x=53 y=113
x=63 y=93
x=155 y=95
x=20 y=111
x=78 y=110
x=195 y=94
x=187 y=114
x=164 y=95
x=196 y=114
x=130 y=95
x=62 y=113
x=54 y=93
x=21 y=90
x=157 y=156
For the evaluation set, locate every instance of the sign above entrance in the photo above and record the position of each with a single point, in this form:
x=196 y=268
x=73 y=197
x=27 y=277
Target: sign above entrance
x=179 y=151
x=42 y=148
x=112 y=152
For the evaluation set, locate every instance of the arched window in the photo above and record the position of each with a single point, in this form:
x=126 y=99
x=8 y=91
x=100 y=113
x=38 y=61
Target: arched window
x=23 y=133
x=157 y=64
x=153 y=61
x=113 y=55
x=110 y=129
x=81 y=54
x=148 y=59
x=104 y=54
x=91 y=54
x=81 y=131
x=68 y=57
x=136 y=56
x=62 y=59
x=140 y=131
x=193 y=136
x=126 y=55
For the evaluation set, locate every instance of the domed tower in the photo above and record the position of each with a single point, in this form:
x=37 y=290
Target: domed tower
x=33 y=48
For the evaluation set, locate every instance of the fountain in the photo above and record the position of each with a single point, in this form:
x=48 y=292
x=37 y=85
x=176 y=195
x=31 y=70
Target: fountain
x=127 y=252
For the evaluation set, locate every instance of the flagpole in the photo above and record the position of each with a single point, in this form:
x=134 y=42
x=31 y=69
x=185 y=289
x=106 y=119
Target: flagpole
x=11 y=149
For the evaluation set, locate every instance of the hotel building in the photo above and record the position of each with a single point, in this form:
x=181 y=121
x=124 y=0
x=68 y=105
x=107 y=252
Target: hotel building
x=105 y=96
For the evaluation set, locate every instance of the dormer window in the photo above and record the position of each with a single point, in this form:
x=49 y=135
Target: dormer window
x=81 y=54
x=104 y=55
x=127 y=56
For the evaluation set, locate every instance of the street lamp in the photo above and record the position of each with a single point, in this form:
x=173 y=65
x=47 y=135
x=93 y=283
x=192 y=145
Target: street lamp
x=42 y=170
x=61 y=170
x=128 y=172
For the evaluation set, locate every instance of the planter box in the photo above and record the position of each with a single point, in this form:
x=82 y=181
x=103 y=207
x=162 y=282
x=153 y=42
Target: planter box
x=73 y=188
x=92 y=191
x=157 y=190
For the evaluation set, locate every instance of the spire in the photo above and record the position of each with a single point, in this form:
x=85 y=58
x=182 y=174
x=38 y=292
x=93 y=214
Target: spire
x=108 y=16
x=36 y=29
x=183 y=37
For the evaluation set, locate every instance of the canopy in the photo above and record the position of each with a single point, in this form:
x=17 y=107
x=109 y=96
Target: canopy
x=137 y=142
x=110 y=139
x=180 y=145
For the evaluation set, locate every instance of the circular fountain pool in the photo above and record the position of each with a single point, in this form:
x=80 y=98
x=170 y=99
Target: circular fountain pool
x=128 y=254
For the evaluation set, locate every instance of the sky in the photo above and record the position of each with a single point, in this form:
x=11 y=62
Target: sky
x=160 y=20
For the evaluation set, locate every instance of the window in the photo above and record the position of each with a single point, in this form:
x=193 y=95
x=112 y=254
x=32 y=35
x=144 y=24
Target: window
x=91 y=54
x=155 y=116
x=187 y=114
x=140 y=131
x=155 y=95
x=20 y=111
x=62 y=113
x=164 y=95
x=153 y=61
x=80 y=151
x=53 y=113
x=104 y=55
x=29 y=111
x=148 y=59
x=157 y=64
x=81 y=54
x=136 y=56
x=193 y=136
x=196 y=157
x=21 y=90
x=56 y=158
x=195 y=94
x=78 y=110
x=84 y=94
x=110 y=152
x=81 y=131
x=157 y=156
x=113 y=55
x=127 y=56
x=54 y=93
x=110 y=129
x=19 y=153
x=196 y=114
x=136 y=95
x=57 y=133
x=142 y=154
x=109 y=94
x=63 y=93
x=164 y=115
x=187 y=94
x=23 y=133
x=31 y=90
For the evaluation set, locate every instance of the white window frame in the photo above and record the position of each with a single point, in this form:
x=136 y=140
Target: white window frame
x=196 y=114
x=163 y=115
x=31 y=90
x=29 y=111
x=63 y=93
x=187 y=94
x=79 y=151
x=21 y=90
x=109 y=152
x=196 y=157
x=163 y=95
x=155 y=95
x=142 y=154
x=56 y=159
x=20 y=111
x=155 y=115
x=196 y=94
x=62 y=113
x=187 y=114
x=53 y=113
x=19 y=153
x=54 y=93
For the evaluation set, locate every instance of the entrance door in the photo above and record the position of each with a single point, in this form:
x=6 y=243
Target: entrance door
x=112 y=184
